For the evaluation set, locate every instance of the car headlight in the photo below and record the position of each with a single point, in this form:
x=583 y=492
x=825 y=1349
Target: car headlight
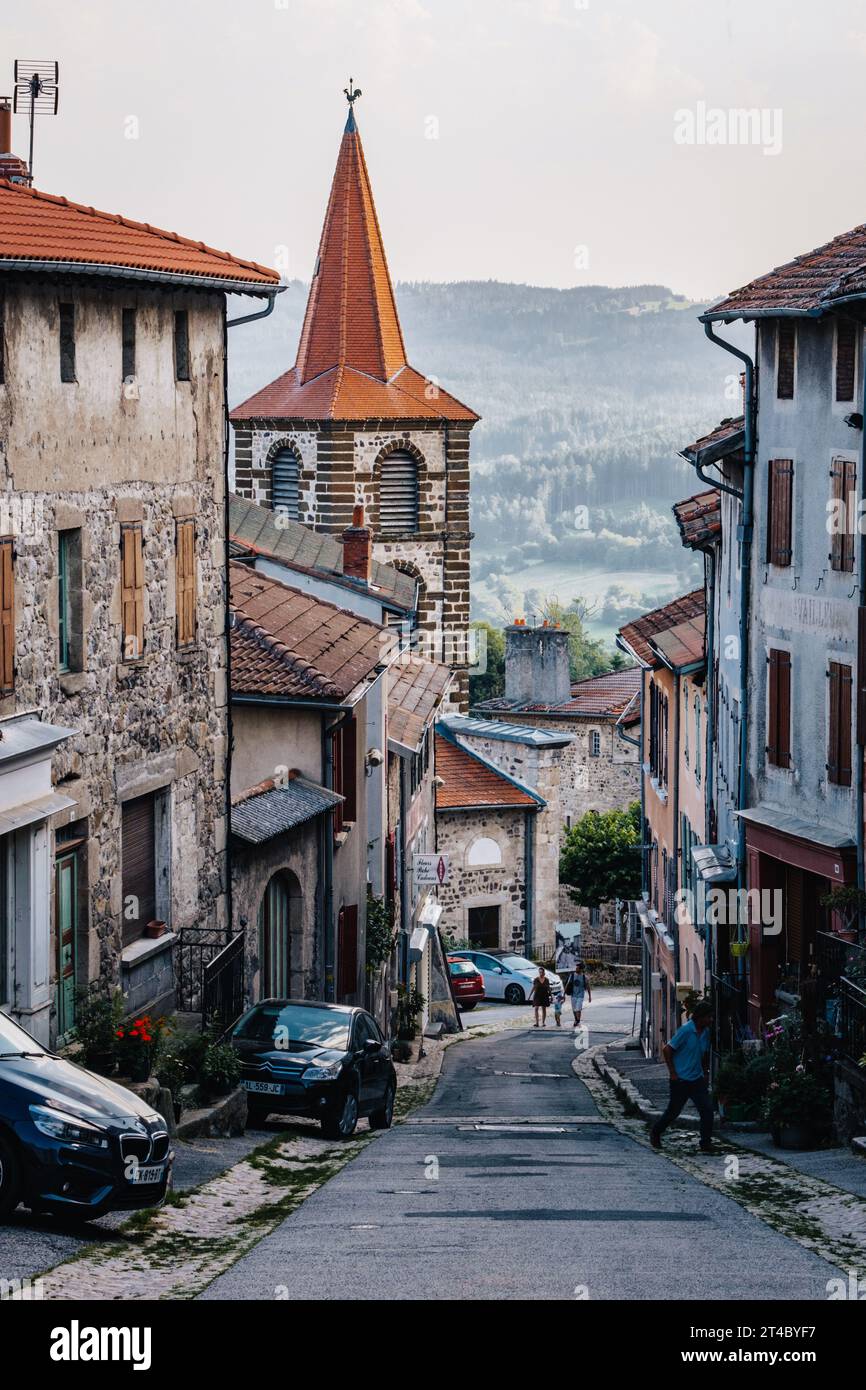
x=57 y=1125
x=328 y=1073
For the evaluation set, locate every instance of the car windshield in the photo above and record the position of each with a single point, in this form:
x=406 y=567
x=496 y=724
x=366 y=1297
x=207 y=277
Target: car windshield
x=461 y=967
x=519 y=963
x=294 y=1028
x=14 y=1041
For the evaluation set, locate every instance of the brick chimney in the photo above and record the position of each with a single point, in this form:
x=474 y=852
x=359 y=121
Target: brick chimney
x=358 y=548
x=536 y=664
x=11 y=167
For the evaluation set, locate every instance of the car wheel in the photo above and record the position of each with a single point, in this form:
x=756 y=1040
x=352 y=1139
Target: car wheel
x=382 y=1119
x=514 y=995
x=468 y=1004
x=341 y=1123
x=9 y=1179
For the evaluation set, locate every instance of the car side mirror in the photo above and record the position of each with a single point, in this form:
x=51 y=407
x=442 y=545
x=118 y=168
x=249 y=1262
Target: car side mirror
x=371 y=1045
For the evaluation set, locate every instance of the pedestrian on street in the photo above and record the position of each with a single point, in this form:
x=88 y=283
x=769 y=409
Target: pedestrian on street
x=541 y=996
x=557 y=1008
x=688 y=1060
x=578 y=989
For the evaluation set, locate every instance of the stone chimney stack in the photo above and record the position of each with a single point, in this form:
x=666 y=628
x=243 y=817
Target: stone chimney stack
x=536 y=664
x=358 y=548
x=11 y=167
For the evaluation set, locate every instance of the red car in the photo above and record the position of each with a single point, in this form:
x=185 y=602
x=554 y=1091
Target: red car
x=467 y=982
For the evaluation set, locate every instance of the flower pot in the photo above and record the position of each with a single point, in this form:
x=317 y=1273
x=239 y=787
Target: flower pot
x=793 y=1136
x=154 y=930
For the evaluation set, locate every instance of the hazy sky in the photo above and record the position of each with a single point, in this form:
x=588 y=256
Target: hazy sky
x=555 y=161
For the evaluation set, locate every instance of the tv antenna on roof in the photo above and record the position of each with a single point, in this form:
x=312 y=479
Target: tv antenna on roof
x=37 y=91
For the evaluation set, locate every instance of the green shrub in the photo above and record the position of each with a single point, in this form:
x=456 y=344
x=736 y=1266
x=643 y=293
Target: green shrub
x=97 y=1018
x=220 y=1069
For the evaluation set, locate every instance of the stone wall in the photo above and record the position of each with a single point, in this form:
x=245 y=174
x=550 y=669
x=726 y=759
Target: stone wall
x=502 y=885
x=86 y=456
x=296 y=855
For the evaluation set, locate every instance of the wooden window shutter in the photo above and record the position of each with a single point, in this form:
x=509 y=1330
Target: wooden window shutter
x=337 y=777
x=861 y=675
x=843 y=485
x=839 y=736
x=138 y=866
x=132 y=591
x=787 y=348
x=846 y=359
x=7 y=615
x=350 y=770
x=780 y=484
x=185 y=587
x=779 y=709
x=347 y=952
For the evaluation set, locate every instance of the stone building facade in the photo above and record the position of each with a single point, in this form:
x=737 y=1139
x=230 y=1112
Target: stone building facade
x=112 y=438
x=352 y=423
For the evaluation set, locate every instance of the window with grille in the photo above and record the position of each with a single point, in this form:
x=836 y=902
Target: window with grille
x=594 y=743
x=286 y=484
x=398 y=495
x=847 y=333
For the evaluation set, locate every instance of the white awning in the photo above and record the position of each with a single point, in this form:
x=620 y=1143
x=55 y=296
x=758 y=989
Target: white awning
x=16 y=817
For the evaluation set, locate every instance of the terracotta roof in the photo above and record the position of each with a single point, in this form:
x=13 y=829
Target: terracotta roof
x=597 y=697
x=253 y=530
x=683 y=645
x=291 y=644
x=699 y=518
x=636 y=635
x=810 y=284
x=38 y=227
x=351 y=362
x=470 y=780
x=726 y=439
x=416 y=689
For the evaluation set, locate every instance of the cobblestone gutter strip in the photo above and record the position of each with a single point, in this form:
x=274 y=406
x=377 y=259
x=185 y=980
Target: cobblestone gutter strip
x=819 y=1216
x=177 y=1250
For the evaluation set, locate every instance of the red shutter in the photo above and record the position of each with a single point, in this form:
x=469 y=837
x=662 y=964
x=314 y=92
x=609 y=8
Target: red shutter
x=350 y=769
x=7 y=616
x=787 y=345
x=846 y=359
x=780 y=485
x=347 y=952
x=779 y=709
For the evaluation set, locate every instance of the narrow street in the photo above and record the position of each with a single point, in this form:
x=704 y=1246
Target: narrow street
x=508 y=1184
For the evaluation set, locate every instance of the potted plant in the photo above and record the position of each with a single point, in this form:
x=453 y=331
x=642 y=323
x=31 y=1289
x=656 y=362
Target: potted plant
x=97 y=1017
x=410 y=1006
x=220 y=1070
x=136 y=1045
x=798 y=1109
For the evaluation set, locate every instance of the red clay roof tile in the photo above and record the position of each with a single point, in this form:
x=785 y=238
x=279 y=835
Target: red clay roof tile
x=699 y=518
x=471 y=781
x=636 y=635
x=809 y=284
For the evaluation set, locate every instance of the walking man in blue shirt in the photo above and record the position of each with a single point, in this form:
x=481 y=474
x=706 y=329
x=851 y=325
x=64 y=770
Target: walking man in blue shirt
x=688 y=1060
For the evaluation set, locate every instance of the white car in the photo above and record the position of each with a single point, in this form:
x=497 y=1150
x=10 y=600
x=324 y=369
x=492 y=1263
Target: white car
x=507 y=976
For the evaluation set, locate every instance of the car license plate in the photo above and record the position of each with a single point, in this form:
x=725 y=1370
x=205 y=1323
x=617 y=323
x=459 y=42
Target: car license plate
x=154 y=1172
x=267 y=1088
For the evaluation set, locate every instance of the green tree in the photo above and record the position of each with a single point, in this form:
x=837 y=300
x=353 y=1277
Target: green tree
x=600 y=857
x=487 y=685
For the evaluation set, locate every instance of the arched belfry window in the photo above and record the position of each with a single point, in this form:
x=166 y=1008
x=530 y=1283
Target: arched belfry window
x=398 y=495
x=286 y=483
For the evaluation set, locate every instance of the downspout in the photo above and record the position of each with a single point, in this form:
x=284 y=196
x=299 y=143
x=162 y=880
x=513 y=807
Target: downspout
x=529 y=867
x=745 y=539
x=701 y=470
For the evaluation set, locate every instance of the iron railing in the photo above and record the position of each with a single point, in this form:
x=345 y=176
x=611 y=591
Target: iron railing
x=209 y=974
x=852 y=1019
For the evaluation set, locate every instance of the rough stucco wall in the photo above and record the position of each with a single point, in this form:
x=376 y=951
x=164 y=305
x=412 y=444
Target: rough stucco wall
x=503 y=885
x=806 y=608
x=86 y=458
x=267 y=738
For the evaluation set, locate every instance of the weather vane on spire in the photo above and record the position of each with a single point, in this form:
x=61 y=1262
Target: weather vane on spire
x=352 y=93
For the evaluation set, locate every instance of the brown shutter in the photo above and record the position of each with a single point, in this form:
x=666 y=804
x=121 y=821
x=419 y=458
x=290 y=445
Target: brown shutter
x=843 y=492
x=846 y=359
x=337 y=778
x=839 y=735
x=861 y=675
x=780 y=482
x=350 y=770
x=138 y=865
x=132 y=592
x=787 y=344
x=7 y=615
x=347 y=952
x=186 y=583
x=779 y=709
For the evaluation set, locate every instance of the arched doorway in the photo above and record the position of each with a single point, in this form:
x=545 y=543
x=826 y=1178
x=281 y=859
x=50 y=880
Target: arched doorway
x=280 y=940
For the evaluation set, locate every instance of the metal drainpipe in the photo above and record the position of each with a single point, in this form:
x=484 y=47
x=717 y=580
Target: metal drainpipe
x=701 y=470
x=745 y=538
x=529 y=864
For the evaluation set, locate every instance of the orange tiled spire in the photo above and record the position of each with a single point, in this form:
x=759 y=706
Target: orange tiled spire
x=351 y=318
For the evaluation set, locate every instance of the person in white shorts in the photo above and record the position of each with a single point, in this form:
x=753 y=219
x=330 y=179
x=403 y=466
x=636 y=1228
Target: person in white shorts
x=579 y=990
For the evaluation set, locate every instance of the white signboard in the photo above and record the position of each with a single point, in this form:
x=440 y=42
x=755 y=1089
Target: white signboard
x=430 y=868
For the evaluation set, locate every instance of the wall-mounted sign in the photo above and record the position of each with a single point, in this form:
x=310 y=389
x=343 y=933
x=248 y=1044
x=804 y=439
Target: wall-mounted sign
x=430 y=868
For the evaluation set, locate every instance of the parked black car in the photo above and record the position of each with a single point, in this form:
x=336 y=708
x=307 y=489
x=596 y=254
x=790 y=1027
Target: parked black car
x=326 y=1061
x=70 y=1141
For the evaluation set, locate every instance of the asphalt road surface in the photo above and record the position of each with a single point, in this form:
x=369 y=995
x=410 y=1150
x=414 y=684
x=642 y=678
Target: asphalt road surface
x=508 y=1185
